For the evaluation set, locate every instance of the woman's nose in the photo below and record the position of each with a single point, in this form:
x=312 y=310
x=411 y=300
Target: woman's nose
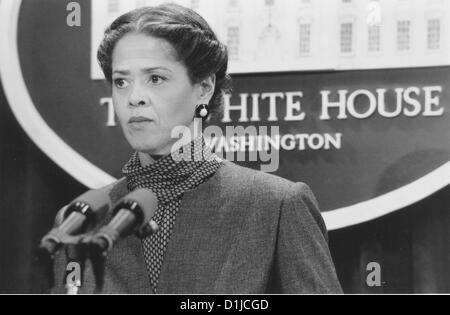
x=137 y=97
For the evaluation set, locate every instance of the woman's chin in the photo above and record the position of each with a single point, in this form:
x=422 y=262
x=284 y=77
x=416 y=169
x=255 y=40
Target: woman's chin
x=149 y=148
x=143 y=147
x=151 y=144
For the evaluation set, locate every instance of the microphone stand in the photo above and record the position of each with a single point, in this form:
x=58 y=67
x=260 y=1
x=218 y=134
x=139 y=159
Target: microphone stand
x=75 y=255
x=78 y=250
x=97 y=256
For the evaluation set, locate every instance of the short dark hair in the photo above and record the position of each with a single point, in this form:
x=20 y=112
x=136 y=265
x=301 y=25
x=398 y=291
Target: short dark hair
x=193 y=39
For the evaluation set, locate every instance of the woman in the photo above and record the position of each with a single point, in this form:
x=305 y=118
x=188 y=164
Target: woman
x=222 y=228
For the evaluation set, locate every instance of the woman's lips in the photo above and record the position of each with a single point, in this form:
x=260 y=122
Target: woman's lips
x=139 y=122
x=139 y=119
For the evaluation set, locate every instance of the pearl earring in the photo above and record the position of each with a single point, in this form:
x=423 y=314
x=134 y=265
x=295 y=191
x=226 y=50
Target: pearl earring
x=202 y=111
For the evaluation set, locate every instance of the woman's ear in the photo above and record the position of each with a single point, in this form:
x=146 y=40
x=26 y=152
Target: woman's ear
x=207 y=87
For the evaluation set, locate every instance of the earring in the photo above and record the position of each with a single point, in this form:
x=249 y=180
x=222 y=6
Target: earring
x=202 y=111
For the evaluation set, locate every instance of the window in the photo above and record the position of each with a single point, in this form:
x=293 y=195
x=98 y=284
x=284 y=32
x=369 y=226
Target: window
x=403 y=35
x=233 y=42
x=374 y=38
x=347 y=37
x=305 y=38
x=434 y=34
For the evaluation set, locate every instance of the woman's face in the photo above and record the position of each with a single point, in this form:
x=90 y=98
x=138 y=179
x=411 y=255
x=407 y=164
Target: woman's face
x=152 y=92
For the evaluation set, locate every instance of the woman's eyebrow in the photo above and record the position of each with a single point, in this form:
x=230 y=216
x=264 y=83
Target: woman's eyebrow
x=122 y=72
x=145 y=70
x=149 y=70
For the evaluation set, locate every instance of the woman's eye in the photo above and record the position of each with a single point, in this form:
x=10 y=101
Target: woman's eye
x=120 y=83
x=156 y=79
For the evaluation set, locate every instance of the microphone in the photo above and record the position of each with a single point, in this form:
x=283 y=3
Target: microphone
x=82 y=214
x=132 y=214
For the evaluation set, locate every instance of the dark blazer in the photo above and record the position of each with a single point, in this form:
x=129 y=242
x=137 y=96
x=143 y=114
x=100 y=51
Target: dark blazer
x=242 y=231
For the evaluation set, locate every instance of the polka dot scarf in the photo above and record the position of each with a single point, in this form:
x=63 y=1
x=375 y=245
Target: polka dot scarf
x=169 y=179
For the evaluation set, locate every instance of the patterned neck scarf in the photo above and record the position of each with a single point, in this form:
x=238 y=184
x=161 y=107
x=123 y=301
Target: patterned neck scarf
x=169 y=178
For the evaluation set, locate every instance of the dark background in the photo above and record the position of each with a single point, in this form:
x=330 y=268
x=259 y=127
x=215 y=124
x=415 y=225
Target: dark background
x=411 y=245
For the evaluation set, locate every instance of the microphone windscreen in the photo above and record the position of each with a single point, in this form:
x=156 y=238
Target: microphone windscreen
x=146 y=200
x=97 y=199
